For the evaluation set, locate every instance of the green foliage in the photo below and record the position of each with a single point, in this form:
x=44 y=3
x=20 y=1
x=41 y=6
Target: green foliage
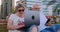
x=56 y=8
x=13 y=11
x=58 y=22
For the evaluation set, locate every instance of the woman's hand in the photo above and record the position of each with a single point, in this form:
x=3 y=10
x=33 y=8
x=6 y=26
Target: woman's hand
x=21 y=25
x=10 y=25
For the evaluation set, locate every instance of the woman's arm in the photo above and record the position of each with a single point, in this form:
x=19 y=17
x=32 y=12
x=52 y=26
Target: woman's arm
x=10 y=25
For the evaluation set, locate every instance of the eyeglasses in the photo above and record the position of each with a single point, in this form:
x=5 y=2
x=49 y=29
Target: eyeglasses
x=21 y=10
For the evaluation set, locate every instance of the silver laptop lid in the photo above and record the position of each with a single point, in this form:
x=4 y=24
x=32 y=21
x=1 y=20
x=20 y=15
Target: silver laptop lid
x=32 y=18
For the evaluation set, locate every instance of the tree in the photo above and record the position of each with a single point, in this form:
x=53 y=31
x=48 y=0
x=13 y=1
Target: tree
x=55 y=9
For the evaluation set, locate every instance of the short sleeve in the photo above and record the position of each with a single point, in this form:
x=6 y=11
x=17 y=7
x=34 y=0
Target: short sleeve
x=11 y=17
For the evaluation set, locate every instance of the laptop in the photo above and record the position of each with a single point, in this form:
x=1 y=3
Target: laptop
x=31 y=17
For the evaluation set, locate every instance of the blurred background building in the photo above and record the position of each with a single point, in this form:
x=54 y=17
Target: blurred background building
x=6 y=7
x=47 y=6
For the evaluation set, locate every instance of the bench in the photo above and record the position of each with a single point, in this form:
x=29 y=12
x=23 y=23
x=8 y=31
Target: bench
x=3 y=26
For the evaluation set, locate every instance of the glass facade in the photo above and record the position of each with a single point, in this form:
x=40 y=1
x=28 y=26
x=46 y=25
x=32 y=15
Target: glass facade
x=31 y=2
x=43 y=5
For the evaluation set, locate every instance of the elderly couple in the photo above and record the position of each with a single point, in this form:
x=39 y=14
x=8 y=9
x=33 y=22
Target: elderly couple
x=16 y=20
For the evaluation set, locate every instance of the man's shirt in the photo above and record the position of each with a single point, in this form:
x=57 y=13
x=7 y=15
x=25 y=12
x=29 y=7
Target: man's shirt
x=42 y=22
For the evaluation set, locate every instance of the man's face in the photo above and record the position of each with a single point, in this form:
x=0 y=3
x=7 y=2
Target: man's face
x=36 y=7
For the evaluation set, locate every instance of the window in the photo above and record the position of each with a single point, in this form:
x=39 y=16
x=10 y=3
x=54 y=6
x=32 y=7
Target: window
x=31 y=2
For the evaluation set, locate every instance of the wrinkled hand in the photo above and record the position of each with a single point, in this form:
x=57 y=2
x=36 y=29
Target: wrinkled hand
x=21 y=24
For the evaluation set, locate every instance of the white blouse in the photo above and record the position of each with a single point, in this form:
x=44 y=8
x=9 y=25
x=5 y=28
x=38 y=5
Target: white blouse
x=16 y=19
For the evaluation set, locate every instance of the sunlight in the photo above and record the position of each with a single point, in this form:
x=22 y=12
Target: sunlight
x=0 y=2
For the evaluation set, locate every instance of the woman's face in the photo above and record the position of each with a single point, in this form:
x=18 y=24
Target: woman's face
x=21 y=10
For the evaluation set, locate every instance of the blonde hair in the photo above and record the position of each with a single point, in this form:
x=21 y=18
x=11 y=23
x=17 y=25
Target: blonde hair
x=19 y=6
